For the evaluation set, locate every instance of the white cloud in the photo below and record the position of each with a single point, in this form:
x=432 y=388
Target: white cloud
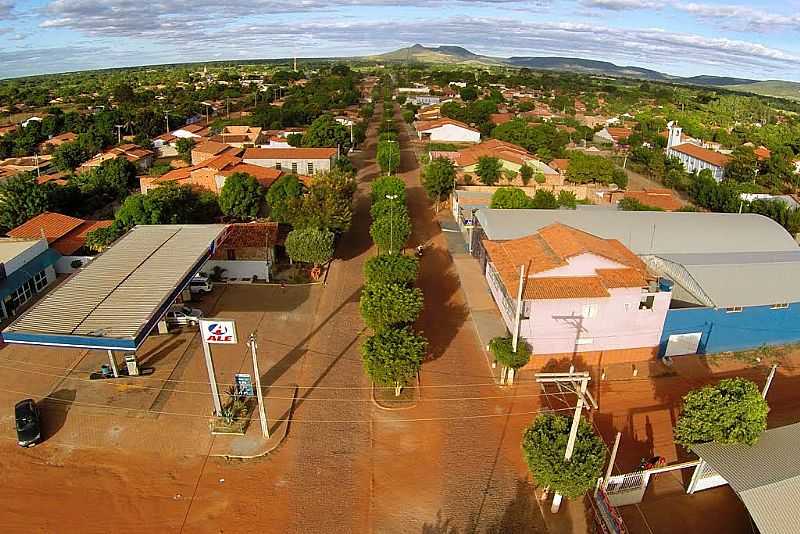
x=740 y=18
x=620 y=5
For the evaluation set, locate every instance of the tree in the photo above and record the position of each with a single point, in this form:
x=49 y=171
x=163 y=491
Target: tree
x=438 y=178
x=619 y=177
x=21 y=198
x=567 y=199
x=544 y=200
x=488 y=170
x=100 y=239
x=732 y=411
x=510 y=198
x=295 y=139
x=68 y=156
x=544 y=445
x=328 y=203
x=310 y=245
x=502 y=349
x=468 y=93
x=280 y=196
x=391 y=269
x=390 y=305
x=384 y=186
x=632 y=204
x=184 y=147
x=388 y=156
x=168 y=204
x=391 y=232
x=526 y=173
x=393 y=356
x=743 y=166
x=326 y=132
x=241 y=196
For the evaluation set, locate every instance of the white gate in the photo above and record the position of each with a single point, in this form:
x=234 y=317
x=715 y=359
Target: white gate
x=704 y=477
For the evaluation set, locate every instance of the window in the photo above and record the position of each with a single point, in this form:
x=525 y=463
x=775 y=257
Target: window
x=584 y=341
x=647 y=302
x=294 y=168
x=310 y=169
x=589 y=311
x=780 y=306
x=734 y=309
x=278 y=165
x=40 y=280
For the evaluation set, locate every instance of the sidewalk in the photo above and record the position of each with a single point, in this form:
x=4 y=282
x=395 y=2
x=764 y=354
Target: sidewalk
x=482 y=308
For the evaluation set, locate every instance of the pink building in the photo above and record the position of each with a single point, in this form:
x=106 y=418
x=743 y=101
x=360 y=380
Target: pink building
x=581 y=293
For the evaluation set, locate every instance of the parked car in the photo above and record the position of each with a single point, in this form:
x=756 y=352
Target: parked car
x=29 y=424
x=184 y=315
x=201 y=283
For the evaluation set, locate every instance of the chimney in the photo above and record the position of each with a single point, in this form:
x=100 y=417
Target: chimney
x=674 y=134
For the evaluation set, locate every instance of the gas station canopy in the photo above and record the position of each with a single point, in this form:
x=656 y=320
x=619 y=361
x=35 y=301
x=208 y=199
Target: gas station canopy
x=116 y=300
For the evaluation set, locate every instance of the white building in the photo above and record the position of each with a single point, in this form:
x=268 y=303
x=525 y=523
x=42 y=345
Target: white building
x=26 y=268
x=304 y=161
x=447 y=130
x=694 y=158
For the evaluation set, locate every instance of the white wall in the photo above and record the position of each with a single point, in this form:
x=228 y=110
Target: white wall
x=286 y=164
x=240 y=268
x=63 y=265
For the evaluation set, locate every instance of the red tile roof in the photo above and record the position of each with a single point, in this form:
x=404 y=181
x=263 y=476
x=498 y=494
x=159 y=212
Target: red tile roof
x=501 y=118
x=255 y=234
x=618 y=134
x=64 y=233
x=703 y=154
x=657 y=198
x=423 y=126
x=559 y=164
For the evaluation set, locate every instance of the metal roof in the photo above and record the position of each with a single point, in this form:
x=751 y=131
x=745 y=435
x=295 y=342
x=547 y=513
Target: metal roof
x=116 y=300
x=766 y=476
x=736 y=279
x=650 y=232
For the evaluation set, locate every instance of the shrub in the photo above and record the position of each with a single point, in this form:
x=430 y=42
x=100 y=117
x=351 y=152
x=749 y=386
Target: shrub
x=388 y=305
x=310 y=245
x=391 y=269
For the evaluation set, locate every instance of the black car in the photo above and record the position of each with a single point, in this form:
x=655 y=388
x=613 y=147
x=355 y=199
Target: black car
x=29 y=427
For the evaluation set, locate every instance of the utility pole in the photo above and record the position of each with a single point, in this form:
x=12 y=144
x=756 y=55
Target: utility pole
x=166 y=117
x=392 y=198
x=568 y=378
x=262 y=410
x=119 y=133
x=612 y=460
x=508 y=373
x=769 y=380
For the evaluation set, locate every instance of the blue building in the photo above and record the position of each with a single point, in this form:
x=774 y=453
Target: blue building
x=26 y=268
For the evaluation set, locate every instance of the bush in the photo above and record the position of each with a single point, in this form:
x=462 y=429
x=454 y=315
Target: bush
x=567 y=199
x=391 y=269
x=310 y=245
x=241 y=196
x=503 y=352
x=632 y=204
x=390 y=233
x=386 y=208
x=392 y=357
x=389 y=305
x=388 y=186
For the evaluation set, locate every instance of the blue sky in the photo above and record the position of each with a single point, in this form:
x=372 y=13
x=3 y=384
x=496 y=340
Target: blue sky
x=756 y=40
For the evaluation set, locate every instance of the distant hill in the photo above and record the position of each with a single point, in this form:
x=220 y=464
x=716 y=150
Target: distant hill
x=588 y=66
x=457 y=54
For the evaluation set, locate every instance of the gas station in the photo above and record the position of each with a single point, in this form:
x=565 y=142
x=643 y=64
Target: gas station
x=117 y=300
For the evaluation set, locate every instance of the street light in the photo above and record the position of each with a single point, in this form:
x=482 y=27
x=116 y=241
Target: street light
x=392 y=198
x=392 y=141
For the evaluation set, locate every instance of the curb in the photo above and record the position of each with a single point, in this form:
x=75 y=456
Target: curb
x=275 y=446
x=399 y=408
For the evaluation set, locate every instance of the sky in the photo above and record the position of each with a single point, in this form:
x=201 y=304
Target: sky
x=759 y=40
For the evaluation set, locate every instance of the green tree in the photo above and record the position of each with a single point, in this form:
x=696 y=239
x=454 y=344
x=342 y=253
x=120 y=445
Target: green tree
x=102 y=238
x=526 y=173
x=310 y=245
x=544 y=200
x=438 y=179
x=632 y=204
x=502 y=348
x=489 y=170
x=327 y=204
x=384 y=186
x=21 y=198
x=391 y=269
x=388 y=156
x=184 y=147
x=743 y=166
x=280 y=195
x=391 y=232
x=468 y=93
x=241 y=196
x=390 y=305
x=68 y=156
x=168 y=204
x=567 y=199
x=393 y=357
x=544 y=445
x=510 y=198
x=733 y=411
x=326 y=132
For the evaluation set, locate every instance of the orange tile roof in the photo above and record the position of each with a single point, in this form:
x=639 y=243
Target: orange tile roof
x=619 y=133
x=50 y=225
x=657 y=198
x=501 y=118
x=564 y=287
x=211 y=147
x=549 y=249
x=76 y=239
x=559 y=164
x=255 y=234
x=289 y=153
x=266 y=176
x=493 y=148
x=703 y=154
x=422 y=126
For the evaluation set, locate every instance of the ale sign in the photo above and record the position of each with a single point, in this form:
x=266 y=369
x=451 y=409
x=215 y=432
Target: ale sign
x=218 y=331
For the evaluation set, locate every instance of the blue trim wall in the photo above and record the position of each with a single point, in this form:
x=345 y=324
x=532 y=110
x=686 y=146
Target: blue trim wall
x=722 y=331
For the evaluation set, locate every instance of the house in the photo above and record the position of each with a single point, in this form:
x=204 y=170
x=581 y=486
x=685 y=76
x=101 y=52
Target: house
x=511 y=156
x=27 y=268
x=612 y=136
x=247 y=252
x=694 y=158
x=239 y=136
x=762 y=153
x=294 y=160
x=56 y=141
x=730 y=272
x=64 y=234
x=36 y=164
x=501 y=118
x=210 y=175
x=424 y=100
x=166 y=145
x=560 y=165
x=580 y=107
x=447 y=130
x=578 y=290
x=194 y=130
x=211 y=149
x=429 y=113
x=142 y=158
